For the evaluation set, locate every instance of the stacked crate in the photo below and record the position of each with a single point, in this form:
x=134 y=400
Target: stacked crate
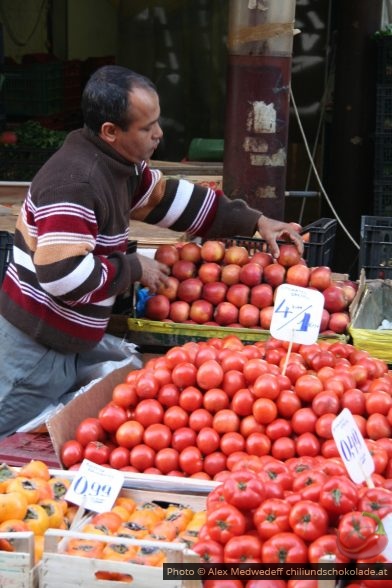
x=382 y=205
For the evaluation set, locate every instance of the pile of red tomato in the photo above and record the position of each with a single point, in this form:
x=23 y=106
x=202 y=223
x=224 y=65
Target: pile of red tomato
x=297 y=512
x=197 y=409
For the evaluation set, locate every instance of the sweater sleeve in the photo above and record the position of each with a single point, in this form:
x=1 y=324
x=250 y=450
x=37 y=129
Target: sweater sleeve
x=181 y=205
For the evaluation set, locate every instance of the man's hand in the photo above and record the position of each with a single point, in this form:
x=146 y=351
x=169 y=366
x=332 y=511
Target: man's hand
x=271 y=230
x=154 y=273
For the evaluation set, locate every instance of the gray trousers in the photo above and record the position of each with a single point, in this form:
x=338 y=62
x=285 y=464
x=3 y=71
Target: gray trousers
x=33 y=377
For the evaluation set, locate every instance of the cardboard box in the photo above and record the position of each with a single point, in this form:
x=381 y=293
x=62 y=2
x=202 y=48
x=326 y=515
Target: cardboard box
x=372 y=304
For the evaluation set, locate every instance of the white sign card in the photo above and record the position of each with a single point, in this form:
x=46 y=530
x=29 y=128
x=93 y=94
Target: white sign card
x=352 y=447
x=297 y=314
x=95 y=487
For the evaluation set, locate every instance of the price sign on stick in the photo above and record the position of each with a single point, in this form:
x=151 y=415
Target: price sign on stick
x=352 y=448
x=95 y=487
x=297 y=314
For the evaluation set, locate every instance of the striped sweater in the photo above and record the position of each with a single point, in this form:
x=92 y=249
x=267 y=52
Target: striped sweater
x=69 y=257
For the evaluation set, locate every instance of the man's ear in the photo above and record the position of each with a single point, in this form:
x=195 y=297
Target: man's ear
x=109 y=132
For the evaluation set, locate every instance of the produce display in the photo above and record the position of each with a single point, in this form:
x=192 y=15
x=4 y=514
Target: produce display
x=199 y=407
x=213 y=284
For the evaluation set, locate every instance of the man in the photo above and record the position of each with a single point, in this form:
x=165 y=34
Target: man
x=69 y=257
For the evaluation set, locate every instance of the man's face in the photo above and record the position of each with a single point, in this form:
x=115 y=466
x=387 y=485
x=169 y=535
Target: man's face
x=142 y=137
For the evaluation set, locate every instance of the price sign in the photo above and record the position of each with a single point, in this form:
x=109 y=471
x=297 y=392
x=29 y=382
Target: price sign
x=94 y=487
x=352 y=447
x=297 y=314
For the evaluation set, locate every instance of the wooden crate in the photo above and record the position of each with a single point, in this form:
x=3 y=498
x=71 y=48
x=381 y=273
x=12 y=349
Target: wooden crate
x=58 y=568
x=17 y=569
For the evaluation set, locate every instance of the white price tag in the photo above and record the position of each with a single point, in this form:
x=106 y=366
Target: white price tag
x=95 y=487
x=352 y=447
x=297 y=314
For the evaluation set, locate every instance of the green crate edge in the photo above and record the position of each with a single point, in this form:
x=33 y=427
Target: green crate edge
x=146 y=332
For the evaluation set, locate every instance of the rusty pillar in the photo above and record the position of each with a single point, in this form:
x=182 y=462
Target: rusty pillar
x=257 y=103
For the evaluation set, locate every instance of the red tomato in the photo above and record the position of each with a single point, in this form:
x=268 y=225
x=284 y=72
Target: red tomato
x=308 y=520
x=209 y=375
x=378 y=402
x=176 y=355
x=325 y=545
x=215 y=399
x=190 y=399
x=147 y=386
x=254 y=368
x=142 y=457
x=184 y=374
x=272 y=517
x=283 y=448
x=266 y=386
x=308 y=386
x=89 y=429
x=278 y=428
x=71 y=453
x=225 y=522
x=244 y=490
x=264 y=410
x=226 y=421
x=167 y=460
x=207 y=440
x=233 y=380
x=157 y=436
x=209 y=551
x=377 y=501
x=276 y=471
x=307 y=444
x=175 y=417
x=326 y=401
x=191 y=461
x=242 y=402
x=183 y=437
x=168 y=395
x=232 y=442
x=119 y=458
x=214 y=463
x=284 y=548
x=199 y=419
x=242 y=549
x=129 y=434
x=324 y=425
x=124 y=395
x=288 y=403
x=97 y=452
x=339 y=495
x=148 y=411
x=111 y=416
x=304 y=421
x=258 y=444
x=378 y=426
x=231 y=360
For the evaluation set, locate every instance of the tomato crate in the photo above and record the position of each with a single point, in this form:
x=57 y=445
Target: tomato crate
x=375 y=254
x=319 y=238
x=20 y=448
x=17 y=568
x=6 y=243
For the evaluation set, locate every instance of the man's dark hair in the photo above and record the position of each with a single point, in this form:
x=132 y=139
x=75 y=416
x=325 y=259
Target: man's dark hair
x=105 y=96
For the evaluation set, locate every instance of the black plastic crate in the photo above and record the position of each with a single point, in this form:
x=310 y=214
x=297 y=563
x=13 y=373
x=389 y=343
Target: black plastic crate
x=375 y=255
x=384 y=59
x=33 y=89
x=383 y=156
x=319 y=246
x=6 y=243
x=384 y=108
x=382 y=202
x=20 y=164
